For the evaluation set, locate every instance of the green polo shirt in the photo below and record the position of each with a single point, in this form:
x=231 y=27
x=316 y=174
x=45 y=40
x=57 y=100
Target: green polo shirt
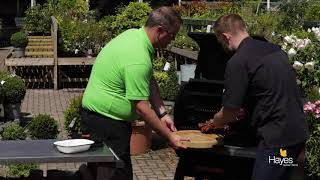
x=121 y=73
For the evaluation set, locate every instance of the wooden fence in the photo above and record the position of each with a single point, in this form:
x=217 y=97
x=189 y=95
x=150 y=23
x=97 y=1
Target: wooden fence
x=58 y=71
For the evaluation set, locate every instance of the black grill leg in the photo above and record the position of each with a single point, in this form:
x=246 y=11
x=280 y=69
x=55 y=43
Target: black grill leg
x=179 y=174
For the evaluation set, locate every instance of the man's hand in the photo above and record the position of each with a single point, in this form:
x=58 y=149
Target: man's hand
x=241 y=115
x=176 y=142
x=168 y=122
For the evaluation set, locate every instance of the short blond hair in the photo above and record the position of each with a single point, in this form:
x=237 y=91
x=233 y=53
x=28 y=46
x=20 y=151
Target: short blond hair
x=231 y=23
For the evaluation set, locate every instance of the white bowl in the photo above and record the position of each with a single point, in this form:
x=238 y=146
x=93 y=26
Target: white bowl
x=73 y=145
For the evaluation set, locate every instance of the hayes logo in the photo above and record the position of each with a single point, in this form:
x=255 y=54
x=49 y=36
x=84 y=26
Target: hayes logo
x=283 y=153
x=283 y=160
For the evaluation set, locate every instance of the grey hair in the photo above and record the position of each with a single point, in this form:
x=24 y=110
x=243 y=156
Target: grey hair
x=164 y=16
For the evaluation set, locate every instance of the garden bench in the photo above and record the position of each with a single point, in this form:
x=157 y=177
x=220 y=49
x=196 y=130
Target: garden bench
x=44 y=151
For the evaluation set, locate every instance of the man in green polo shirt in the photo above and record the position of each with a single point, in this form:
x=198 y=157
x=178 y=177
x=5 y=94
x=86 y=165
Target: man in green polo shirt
x=121 y=88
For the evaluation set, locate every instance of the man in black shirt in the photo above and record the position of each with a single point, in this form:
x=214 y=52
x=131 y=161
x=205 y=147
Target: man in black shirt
x=260 y=78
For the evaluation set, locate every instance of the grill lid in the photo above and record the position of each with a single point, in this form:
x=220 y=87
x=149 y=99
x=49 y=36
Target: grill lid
x=212 y=58
x=197 y=101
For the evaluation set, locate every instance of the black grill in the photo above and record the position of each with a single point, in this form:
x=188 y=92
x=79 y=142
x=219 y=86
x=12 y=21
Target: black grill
x=198 y=100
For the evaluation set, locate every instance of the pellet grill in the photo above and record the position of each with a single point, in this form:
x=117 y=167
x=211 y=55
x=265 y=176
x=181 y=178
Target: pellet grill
x=198 y=100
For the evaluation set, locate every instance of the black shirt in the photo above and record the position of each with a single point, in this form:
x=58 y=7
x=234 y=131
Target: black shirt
x=260 y=78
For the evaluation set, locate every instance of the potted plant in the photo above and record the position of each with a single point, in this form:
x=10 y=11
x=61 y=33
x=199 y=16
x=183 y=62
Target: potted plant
x=19 y=40
x=14 y=91
x=72 y=118
x=43 y=126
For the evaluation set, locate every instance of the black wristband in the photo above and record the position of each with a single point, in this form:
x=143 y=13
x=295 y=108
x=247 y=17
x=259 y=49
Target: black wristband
x=162 y=114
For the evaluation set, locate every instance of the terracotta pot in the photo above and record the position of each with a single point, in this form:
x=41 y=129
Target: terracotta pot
x=140 y=138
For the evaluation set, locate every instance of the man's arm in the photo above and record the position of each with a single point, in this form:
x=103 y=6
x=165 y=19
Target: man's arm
x=155 y=99
x=143 y=110
x=225 y=116
x=157 y=104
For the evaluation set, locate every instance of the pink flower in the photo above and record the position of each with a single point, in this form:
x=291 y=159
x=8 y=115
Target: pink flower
x=313 y=108
x=309 y=107
x=317 y=103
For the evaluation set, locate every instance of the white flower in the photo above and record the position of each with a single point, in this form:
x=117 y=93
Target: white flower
x=76 y=51
x=307 y=41
x=2 y=82
x=300 y=44
x=298 y=82
x=288 y=39
x=273 y=33
x=292 y=52
x=284 y=47
x=297 y=65
x=309 y=30
x=310 y=66
x=316 y=31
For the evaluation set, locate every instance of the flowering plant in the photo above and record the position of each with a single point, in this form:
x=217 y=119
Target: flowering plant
x=313 y=108
x=303 y=51
x=312 y=111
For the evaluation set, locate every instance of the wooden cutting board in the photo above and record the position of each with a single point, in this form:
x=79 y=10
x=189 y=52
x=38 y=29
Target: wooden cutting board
x=200 y=140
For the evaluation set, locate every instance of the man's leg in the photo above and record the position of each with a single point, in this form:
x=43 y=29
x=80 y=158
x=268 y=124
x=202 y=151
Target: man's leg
x=267 y=167
x=116 y=135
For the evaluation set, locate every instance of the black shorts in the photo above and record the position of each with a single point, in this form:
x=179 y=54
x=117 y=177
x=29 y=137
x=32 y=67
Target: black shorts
x=115 y=134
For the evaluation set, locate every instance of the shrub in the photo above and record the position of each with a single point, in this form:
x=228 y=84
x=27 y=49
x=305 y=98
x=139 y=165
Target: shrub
x=19 y=40
x=106 y=23
x=38 y=19
x=167 y=80
x=264 y=25
x=18 y=170
x=73 y=113
x=183 y=41
x=313 y=12
x=75 y=9
x=292 y=14
x=13 y=88
x=3 y=74
x=13 y=132
x=132 y=16
x=80 y=36
x=43 y=127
